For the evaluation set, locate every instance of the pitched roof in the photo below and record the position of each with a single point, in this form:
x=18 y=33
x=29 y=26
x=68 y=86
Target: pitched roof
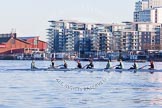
x=4 y=39
x=26 y=38
x=22 y=40
x=42 y=41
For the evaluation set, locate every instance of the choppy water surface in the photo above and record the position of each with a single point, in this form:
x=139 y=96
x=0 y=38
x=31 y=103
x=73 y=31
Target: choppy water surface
x=48 y=89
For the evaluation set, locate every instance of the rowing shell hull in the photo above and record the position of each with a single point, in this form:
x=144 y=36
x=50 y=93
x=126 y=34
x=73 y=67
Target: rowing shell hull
x=91 y=70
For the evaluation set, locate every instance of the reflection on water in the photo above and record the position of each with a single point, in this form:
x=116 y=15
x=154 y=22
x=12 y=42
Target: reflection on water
x=39 y=89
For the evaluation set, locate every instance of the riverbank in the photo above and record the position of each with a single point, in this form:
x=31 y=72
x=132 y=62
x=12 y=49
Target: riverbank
x=14 y=57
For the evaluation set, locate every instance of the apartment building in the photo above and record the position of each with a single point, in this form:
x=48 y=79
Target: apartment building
x=141 y=36
x=115 y=30
x=78 y=37
x=148 y=11
x=154 y=3
x=85 y=39
x=149 y=35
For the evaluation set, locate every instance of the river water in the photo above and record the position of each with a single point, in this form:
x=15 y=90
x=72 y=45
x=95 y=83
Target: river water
x=49 y=89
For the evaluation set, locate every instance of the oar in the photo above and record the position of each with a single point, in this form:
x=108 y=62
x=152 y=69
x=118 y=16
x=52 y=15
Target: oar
x=142 y=67
x=34 y=68
x=110 y=67
x=84 y=66
x=131 y=68
x=113 y=66
x=59 y=65
x=55 y=66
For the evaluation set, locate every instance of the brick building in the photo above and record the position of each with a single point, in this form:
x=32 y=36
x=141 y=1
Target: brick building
x=35 y=43
x=30 y=46
x=11 y=45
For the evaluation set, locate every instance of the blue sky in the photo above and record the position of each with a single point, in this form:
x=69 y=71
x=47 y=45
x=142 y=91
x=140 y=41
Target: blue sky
x=30 y=17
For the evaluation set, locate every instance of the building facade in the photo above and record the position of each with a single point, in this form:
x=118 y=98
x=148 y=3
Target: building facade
x=79 y=38
x=36 y=45
x=142 y=36
x=148 y=11
x=12 y=46
x=91 y=39
x=154 y=3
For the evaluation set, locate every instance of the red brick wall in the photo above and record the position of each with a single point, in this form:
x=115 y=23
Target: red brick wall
x=31 y=41
x=17 y=46
x=42 y=45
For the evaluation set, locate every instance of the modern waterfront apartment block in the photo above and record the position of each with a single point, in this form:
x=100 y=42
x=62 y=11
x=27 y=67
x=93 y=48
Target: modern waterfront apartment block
x=116 y=38
x=142 y=36
x=79 y=38
x=154 y=3
x=148 y=11
x=86 y=39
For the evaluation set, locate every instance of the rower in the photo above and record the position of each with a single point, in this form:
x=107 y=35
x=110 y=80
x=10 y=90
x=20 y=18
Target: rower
x=120 y=66
x=108 y=65
x=135 y=66
x=33 y=65
x=52 y=61
x=79 y=65
x=65 y=64
x=90 y=65
x=151 y=65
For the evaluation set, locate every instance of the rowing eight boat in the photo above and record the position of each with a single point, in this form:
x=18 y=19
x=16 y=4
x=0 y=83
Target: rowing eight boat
x=91 y=70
